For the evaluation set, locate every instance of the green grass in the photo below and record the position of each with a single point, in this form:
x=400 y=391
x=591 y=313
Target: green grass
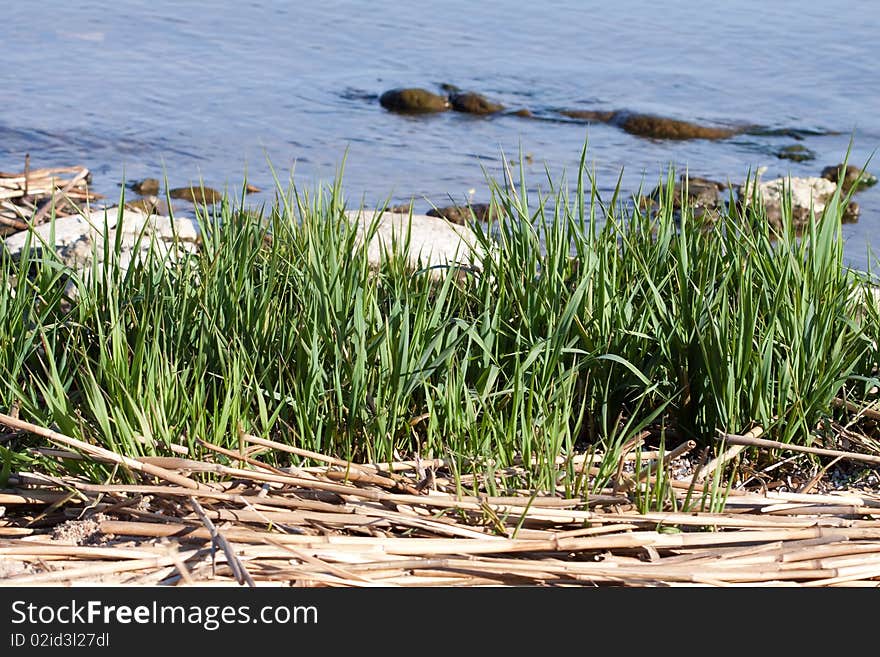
x=587 y=323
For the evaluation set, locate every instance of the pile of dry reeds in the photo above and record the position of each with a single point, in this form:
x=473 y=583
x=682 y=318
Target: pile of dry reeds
x=406 y=524
x=30 y=196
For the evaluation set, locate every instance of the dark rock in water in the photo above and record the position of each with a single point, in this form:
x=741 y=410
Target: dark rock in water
x=853 y=176
x=524 y=113
x=851 y=213
x=795 y=153
x=413 y=101
x=201 y=195
x=403 y=208
x=251 y=189
x=462 y=214
x=658 y=127
x=146 y=187
x=703 y=196
x=653 y=127
x=449 y=88
x=588 y=115
x=472 y=103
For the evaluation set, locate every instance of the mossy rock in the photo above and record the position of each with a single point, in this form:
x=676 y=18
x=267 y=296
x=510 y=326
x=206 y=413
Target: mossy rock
x=853 y=176
x=413 y=101
x=659 y=127
x=473 y=103
x=201 y=195
x=796 y=153
x=146 y=187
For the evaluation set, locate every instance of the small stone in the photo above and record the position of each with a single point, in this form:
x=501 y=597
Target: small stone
x=795 y=153
x=146 y=187
x=200 y=195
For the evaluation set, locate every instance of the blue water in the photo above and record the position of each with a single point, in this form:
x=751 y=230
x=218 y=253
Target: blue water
x=209 y=90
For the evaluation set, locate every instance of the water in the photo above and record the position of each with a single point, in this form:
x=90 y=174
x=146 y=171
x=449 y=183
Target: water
x=209 y=90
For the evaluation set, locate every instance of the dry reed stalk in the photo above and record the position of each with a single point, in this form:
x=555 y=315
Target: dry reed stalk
x=668 y=457
x=242 y=458
x=31 y=174
x=100 y=452
x=732 y=452
x=241 y=574
x=866 y=411
x=359 y=477
x=91 y=572
x=58 y=196
x=751 y=441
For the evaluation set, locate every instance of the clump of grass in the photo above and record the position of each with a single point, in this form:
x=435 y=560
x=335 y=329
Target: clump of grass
x=588 y=323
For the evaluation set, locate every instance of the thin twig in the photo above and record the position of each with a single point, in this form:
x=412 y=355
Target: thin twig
x=241 y=574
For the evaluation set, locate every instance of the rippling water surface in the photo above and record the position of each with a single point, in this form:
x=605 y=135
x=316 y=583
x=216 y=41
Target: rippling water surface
x=210 y=90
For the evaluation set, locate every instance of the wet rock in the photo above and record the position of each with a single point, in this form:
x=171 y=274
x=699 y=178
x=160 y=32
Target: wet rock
x=703 y=196
x=853 y=176
x=251 y=189
x=148 y=205
x=658 y=127
x=473 y=103
x=413 y=101
x=795 y=153
x=146 y=187
x=652 y=127
x=809 y=196
x=200 y=195
x=851 y=213
x=461 y=215
x=588 y=115
x=524 y=113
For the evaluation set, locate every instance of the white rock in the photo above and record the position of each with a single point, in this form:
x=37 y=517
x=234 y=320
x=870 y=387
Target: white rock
x=807 y=194
x=433 y=241
x=77 y=238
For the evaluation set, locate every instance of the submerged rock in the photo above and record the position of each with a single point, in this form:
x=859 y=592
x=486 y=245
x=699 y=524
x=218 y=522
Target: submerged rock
x=589 y=115
x=852 y=177
x=795 y=153
x=461 y=215
x=145 y=187
x=658 y=127
x=809 y=196
x=652 y=127
x=413 y=101
x=200 y=195
x=473 y=103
